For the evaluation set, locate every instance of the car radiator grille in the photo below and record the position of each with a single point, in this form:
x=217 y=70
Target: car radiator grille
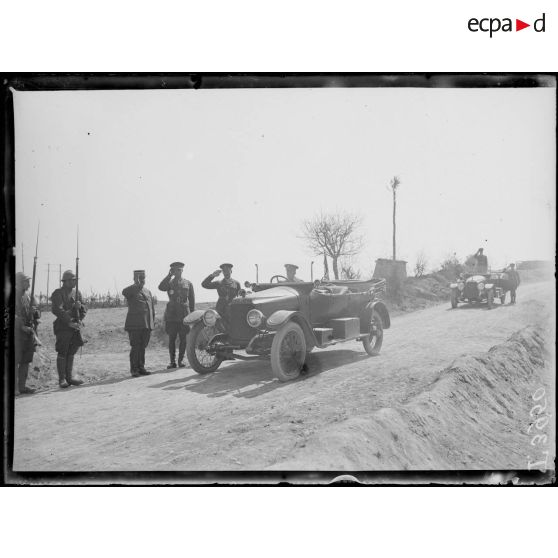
x=239 y=328
x=471 y=290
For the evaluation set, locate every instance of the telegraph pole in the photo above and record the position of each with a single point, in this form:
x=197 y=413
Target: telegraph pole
x=60 y=273
x=22 y=259
x=48 y=281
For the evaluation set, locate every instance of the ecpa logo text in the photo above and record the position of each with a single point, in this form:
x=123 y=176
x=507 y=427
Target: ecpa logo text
x=494 y=24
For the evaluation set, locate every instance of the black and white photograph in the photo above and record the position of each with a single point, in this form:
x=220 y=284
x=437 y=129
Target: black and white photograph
x=297 y=278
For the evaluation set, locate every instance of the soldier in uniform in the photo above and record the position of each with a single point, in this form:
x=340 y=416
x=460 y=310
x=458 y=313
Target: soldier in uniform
x=67 y=306
x=227 y=289
x=25 y=340
x=514 y=279
x=481 y=265
x=140 y=320
x=182 y=301
x=290 y=270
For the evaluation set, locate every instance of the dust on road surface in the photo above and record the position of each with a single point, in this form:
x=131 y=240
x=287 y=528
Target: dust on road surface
x=335 y=418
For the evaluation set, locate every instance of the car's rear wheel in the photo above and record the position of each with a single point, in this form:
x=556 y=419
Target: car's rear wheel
x=454 y=299
x=372 y=343
x=288 y=352
x=198 y=357
x=490 y=299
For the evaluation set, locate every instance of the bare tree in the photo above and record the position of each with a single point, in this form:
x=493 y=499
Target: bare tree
x=334 y=235
x=420 y=264
x=393 y=186
x=348 y=271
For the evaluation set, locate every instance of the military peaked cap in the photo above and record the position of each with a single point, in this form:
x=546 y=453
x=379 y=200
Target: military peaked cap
x=179 y=265
x=223 y=265
x=292 y=266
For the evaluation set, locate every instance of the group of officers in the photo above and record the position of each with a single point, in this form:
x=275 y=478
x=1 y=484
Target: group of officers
x=67 y=306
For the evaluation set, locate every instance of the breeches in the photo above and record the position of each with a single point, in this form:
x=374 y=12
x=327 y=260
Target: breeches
x=68 y=342
x=173 y=330
x=24 y=347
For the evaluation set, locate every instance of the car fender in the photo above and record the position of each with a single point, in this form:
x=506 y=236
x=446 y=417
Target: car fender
x=195 y=316
x=381 y=308
x=280 y=318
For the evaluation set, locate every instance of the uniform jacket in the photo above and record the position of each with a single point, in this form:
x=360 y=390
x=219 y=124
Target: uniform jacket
x=23 y=316
x=227 y=289
x=182 y=300
x=514 y=277
x=141 y=309
x=62 y=305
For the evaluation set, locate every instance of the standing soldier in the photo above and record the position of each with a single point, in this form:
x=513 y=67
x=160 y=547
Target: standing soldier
x=481 y=262
x=227 y=289
x=69 y=311
x=182 y=301
x=26 y=320
x=514 y=281
x=139 y=322
x=290 y=269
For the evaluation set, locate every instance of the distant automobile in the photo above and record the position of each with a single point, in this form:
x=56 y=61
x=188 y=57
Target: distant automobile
x=283 y=321
x=476 y=288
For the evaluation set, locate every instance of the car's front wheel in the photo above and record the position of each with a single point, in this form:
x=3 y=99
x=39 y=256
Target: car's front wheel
x=372 y=343
x=288 y=352
x=198 y=357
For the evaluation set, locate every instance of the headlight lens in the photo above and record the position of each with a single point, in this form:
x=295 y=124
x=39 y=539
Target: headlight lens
x=255 y=318
x=480 y=286
x=210 y=317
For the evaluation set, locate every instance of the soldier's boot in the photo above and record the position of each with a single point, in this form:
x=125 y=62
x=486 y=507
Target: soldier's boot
x=22 y=379
x=61 y=367
x=172 y=360
x=181 y=351
x=69 y=367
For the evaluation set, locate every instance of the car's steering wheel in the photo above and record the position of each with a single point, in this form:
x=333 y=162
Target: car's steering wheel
x=277 y=277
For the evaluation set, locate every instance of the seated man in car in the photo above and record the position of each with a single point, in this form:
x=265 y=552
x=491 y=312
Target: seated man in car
x=290 y=270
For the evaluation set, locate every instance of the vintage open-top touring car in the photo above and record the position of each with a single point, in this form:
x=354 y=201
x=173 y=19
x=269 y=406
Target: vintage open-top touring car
x=480 y=288
x=283 y=321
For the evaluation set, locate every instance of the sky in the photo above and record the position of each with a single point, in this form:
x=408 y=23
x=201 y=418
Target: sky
x=211 y=176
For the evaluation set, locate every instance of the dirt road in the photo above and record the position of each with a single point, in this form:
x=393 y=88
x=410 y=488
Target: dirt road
x=346 y=414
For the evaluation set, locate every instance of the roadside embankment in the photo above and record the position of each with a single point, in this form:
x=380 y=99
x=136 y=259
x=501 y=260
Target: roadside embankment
x=476 y=414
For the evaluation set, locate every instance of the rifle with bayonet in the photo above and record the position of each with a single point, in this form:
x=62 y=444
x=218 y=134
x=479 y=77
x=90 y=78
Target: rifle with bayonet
x=78 y=311
x=33 y=313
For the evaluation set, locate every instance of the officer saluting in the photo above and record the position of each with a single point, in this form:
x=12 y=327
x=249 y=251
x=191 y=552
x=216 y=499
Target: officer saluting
x=227 y=289
x=139 y=321
x=181 y=302
x=290 y=270
x=66 y=305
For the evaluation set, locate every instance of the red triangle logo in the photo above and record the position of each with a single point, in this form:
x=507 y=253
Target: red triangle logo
x=519 y=25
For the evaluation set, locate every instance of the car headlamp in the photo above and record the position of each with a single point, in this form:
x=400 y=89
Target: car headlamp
x=480 y=286
x=255 y=318
x=210 y=317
